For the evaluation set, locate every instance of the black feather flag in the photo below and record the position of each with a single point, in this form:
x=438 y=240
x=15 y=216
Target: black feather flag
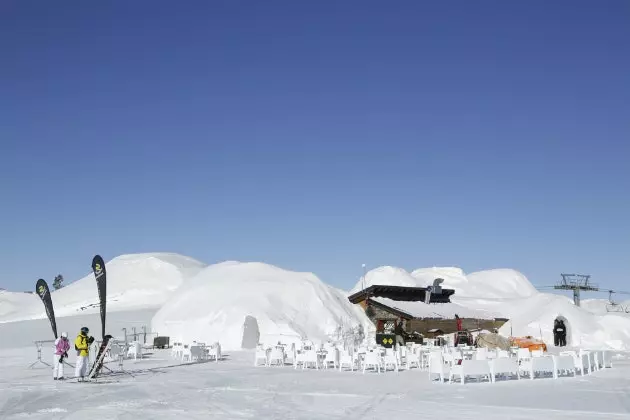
x=98 y=267
x=41 y=288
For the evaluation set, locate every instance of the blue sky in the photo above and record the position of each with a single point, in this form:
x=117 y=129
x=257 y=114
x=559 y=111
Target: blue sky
x=316 y=135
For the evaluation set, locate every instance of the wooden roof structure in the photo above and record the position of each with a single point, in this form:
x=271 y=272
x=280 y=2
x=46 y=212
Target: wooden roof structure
x=401 y=293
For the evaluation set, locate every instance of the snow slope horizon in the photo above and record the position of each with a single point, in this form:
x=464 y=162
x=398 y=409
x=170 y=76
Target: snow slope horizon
x=134 y=282
x=150 y=280
x=287 y=306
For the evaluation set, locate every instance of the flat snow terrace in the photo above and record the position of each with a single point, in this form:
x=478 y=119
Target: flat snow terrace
x=235 y=389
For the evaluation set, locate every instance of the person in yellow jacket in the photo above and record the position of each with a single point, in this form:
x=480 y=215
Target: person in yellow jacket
x=82 y=346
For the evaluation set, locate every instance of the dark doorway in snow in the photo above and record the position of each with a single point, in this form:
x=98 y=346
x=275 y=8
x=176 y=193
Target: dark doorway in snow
x=568 y=327
x=251 y=334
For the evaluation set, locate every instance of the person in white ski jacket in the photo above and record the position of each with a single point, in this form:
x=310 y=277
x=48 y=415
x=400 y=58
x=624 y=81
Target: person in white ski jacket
x=62 y=345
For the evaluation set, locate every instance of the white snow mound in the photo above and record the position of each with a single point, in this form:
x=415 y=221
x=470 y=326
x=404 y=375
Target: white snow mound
x=386 y=275
x=603 y=307
x=12 y=304
x=286 y=305
x=134 y=281
x=535 y=316
x=498 y=283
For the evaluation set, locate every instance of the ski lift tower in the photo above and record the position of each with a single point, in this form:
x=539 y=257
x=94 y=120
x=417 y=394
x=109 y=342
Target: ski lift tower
x=577 y=283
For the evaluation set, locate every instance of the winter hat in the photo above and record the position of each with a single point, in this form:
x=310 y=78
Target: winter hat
x=64 y=334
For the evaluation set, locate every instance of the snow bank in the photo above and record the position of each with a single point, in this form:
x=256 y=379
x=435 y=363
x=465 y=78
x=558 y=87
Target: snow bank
x=436 y=310
x=12 y=303
x=280 y=305
x=498 y=283
x=134 y=282
x=603 y=307
x=392 y=276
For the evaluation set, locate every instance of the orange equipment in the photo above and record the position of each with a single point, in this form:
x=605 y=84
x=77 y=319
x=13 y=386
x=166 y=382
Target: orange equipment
x=529 y=342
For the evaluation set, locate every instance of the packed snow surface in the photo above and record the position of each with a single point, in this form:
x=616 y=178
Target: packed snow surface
x=162 y=388
x=134 y=282
x=286 y=306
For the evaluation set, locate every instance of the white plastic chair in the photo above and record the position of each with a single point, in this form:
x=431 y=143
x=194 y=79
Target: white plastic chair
x=436 y=365
x=481 y=354
x=504 y=366
x=600 y=359
x=197 y=353
x=261 y=354
x=276 y=356
x=402 y=355
x=586 y=359
x=332 y=356
x=413 y=359
x=542 y=365
x=346 y=359
x=565 y=365
x=477 y=368
x=372 y=359
x=577 y=361
x=214 y=352
x=390 y=359
x=135 y=350
x=310 y=358
x=523 y=354
x=186 y=354
x=607 y=359
x=176 y=350
x=290 y=354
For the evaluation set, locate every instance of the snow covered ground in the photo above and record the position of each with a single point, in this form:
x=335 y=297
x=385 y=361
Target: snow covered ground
x=235 y=389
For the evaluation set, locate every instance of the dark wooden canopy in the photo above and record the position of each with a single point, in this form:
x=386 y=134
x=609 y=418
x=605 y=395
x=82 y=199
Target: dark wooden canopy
x=401 y=293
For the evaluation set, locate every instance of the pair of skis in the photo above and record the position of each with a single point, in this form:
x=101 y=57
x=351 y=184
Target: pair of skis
x=98 y=268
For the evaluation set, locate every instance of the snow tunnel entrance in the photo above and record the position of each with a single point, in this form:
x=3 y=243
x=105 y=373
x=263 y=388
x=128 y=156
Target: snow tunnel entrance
x=568 y=326
x=251 y=334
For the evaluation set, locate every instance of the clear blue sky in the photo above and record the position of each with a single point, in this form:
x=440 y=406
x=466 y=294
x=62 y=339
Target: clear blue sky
x=316 y=135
